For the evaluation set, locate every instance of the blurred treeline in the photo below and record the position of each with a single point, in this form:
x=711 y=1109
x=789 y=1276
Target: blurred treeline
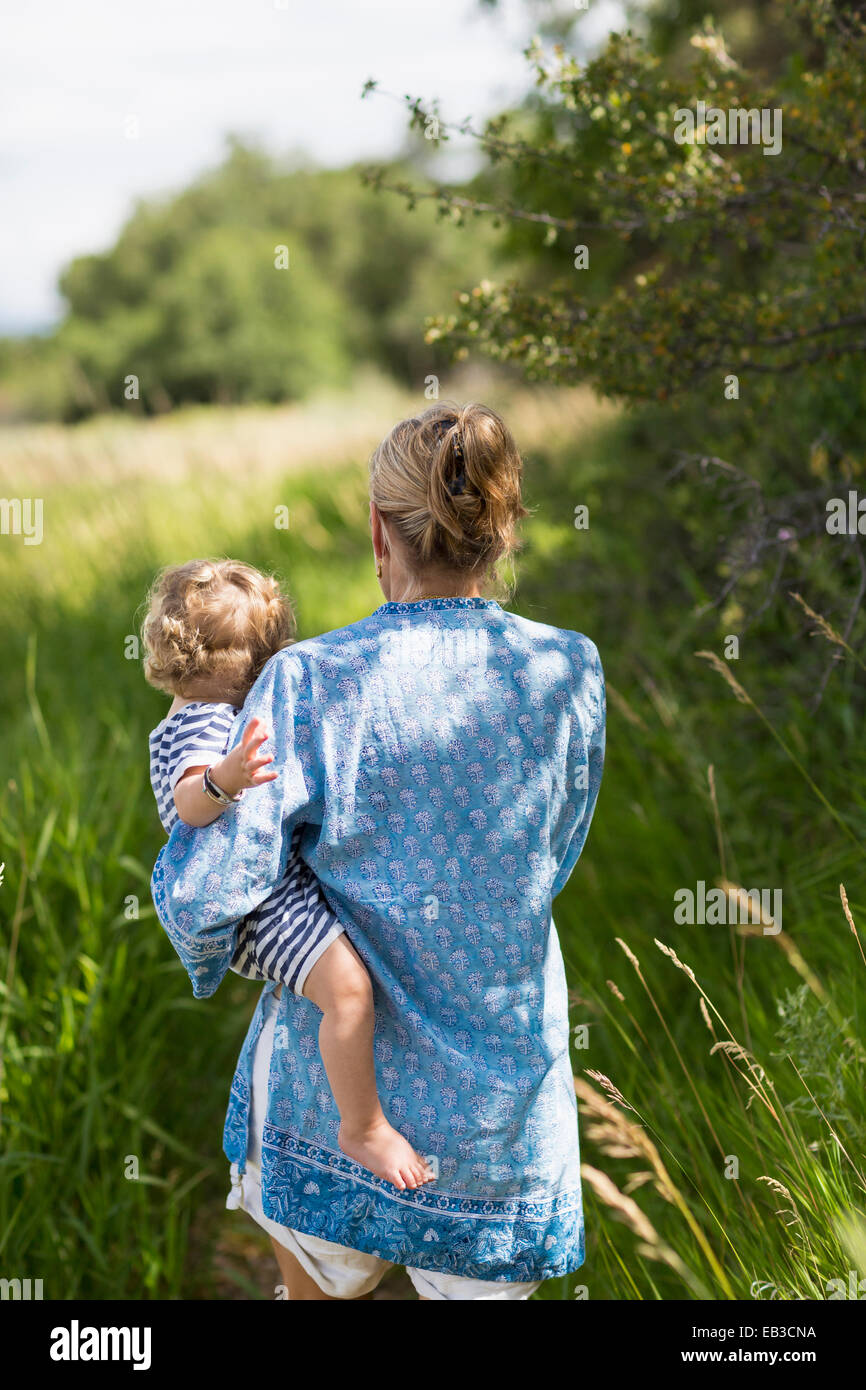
x=198 y=302
x=190 y=303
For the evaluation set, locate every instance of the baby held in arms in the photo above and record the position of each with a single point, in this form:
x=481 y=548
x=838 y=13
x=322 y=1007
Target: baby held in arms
x=210 y=628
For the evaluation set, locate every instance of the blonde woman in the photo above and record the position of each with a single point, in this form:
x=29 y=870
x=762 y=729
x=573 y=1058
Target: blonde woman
x=441 y=760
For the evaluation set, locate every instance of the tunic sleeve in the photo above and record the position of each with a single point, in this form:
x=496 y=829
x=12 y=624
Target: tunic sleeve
x=584 y=762
x=208 y=878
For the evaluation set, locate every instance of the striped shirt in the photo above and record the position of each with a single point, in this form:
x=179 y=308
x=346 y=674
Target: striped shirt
x=194 y=736
x=285 y=936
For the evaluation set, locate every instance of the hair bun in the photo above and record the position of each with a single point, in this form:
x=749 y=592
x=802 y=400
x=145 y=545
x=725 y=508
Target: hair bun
x=450 y=479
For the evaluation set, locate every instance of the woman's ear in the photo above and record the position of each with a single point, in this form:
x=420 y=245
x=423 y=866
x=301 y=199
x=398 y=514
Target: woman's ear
x=380 y=542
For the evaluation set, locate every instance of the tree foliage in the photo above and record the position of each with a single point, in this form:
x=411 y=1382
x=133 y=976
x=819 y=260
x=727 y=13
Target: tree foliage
x=743 y=261
x=720 y=292
x=197 y=301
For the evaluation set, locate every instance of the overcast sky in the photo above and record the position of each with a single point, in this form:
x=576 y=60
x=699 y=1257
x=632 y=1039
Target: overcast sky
x=76 y=75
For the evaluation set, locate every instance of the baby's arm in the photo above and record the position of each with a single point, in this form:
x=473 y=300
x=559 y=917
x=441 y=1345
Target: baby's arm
x=232 y=774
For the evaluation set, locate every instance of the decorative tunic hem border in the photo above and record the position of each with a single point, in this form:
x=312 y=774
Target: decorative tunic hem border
x=320 y=1192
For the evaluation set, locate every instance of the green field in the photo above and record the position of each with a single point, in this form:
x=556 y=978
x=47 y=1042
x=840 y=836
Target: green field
x=737 y=1171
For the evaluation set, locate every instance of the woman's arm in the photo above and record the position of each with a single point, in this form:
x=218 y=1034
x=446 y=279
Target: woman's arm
x=207 y=879
x=584 y=762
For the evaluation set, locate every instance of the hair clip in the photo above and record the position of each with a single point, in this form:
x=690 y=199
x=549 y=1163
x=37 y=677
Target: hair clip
x=445 y=422
x=458 y=482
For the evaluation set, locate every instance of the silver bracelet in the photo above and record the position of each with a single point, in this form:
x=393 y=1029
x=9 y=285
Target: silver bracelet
x=210 y=788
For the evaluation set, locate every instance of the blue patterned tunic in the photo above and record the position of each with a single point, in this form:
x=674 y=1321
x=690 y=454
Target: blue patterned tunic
x=443 y=759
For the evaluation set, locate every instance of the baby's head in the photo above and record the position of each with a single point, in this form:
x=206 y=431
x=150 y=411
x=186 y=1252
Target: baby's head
x=210 y=627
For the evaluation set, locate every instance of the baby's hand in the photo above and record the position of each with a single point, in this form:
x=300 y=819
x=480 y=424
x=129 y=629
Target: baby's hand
x=254 y=735
x=244 y=767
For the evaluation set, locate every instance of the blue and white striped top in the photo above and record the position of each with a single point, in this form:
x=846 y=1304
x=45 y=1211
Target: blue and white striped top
x=287 y=933
x=194 y=736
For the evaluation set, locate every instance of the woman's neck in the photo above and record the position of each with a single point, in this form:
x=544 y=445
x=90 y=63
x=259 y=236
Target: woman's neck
x=413 y=597
x=411 y=588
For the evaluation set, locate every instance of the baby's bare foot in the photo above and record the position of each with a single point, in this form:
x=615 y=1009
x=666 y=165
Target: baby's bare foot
x=386 y=1153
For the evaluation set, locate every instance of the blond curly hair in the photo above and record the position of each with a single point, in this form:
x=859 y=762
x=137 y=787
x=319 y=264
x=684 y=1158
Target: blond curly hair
x=211 y=625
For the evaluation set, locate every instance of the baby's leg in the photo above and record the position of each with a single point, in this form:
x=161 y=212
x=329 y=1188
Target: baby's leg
x=340 y=986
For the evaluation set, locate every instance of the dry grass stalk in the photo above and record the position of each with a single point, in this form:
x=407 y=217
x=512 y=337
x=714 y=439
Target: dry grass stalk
x=733 y=1048
x=745 y=699
x=739 y=1054
x=781 y=938
x=621 y=704
x=672 y=955
x=629 y=953
x=823 y=629
x=625 y=1209
x=623 y=1206
x=618 y=1137
x=745 y=904
x=671 y=1039
x=613 y=1091
x=780 y=1188
x=846 y=909
x=724 y=670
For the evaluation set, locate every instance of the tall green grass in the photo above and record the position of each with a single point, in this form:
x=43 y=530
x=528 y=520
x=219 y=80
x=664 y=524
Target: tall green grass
x=725 y=1066
x=109 y=1064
